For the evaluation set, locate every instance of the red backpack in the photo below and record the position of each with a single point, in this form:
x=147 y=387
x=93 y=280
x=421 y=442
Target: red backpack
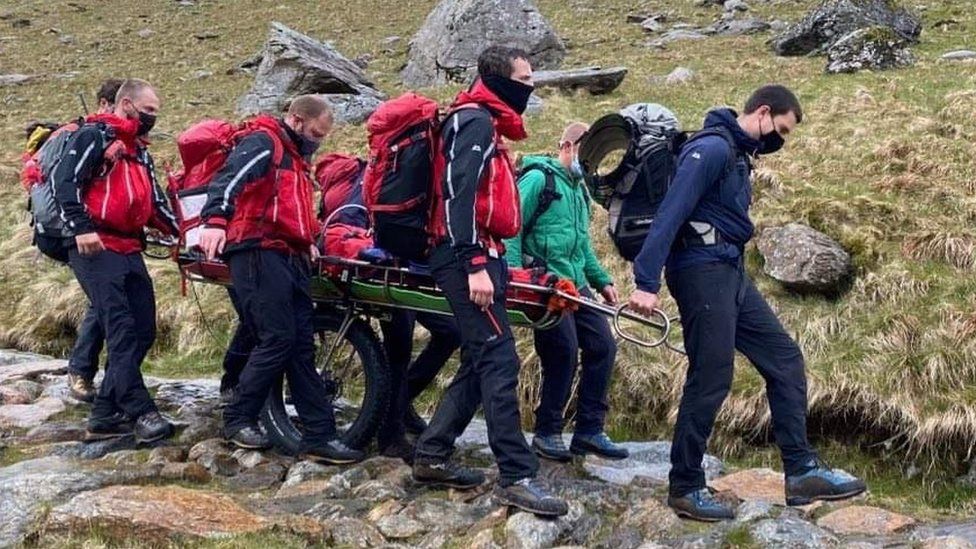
x=203 y=148
x=399 y=178
x=340 y=176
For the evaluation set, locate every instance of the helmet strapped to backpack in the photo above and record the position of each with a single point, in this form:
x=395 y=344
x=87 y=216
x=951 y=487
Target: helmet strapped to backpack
x=651 y=138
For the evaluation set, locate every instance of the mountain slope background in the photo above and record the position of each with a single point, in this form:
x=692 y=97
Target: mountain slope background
x=883 y=163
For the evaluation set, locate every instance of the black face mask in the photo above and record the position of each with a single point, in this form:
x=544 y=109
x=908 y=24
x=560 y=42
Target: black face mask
x=514 y=93
x=146 y=123
x=770 y=142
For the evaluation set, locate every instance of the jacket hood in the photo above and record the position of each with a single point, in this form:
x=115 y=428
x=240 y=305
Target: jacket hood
x=728 y=119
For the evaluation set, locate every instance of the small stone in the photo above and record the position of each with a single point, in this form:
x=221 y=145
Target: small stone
x=959 y=55
x=201 y=74
x=168 y=454
x=222 y=465
x=261 y=477
x=20 y=392
x=736 y=5
x=680 y=75
x=145 y=33
x=210 y=446
x=249 y=459
x=356 y=476
x=754 y=485
x=652 y=519
x=59 y=431
x=350 y=532
x=390 y=40
x=864 y=520
x=399 y=527
x=362 y=61
x=206 y=35
x=124 y=458
x=652 y=24
x=805 y=260
x=484 y=539
x=385 y=509
x=946 y=542
x=527 y=531
x=191 y=472
x=21 y=23
x=788 y=531
x=335 y=487
x=309 y=470
x=378 y=490
x=751 y=511
x=26 y=416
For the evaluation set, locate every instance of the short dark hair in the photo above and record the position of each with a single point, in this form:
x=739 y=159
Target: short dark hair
x=109 y=89
x=779 y=98
x=497 y=60
x=132 y=88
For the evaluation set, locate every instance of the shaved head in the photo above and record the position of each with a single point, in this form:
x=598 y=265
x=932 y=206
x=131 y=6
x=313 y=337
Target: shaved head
x=573 y=133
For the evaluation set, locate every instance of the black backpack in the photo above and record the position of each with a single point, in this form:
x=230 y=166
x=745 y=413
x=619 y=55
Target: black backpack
x=634 y=190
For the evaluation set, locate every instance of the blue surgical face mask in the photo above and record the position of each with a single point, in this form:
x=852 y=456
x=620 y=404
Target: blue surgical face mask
x=576 y=169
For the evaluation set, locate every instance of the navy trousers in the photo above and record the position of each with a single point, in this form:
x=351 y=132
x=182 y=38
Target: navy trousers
x=721 y=312
x=273 y=292
x=587 y=333
x=84 y=355
x=488 y=375
x=410 y=379
x=121 y=294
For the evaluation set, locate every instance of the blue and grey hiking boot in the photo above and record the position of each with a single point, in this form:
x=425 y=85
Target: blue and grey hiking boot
x=701 y=505
x=551 y=447
x=598 y=444
x=821 y=483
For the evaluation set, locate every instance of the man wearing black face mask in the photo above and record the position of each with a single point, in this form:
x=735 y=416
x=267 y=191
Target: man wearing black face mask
x=106 y=188
x=259 y=216
x=476 y=207
x=699 y=233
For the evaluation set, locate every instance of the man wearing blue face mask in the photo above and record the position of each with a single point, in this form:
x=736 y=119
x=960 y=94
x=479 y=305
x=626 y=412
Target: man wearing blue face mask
x=699 y=234
x=556 y=235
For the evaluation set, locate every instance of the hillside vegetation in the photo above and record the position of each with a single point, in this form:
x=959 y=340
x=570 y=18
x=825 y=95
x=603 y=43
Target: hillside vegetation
x=883 y=163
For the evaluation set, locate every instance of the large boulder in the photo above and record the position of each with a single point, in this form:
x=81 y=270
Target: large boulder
x=446 y=47
x=294 y=64
x=875 y=48
x=805 y=260
x=835 y=19
x=595 y=80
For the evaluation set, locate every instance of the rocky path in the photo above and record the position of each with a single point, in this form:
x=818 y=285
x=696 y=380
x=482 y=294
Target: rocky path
x=196 y=487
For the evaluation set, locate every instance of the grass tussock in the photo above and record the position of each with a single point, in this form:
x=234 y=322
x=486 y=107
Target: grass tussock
x=882 y=163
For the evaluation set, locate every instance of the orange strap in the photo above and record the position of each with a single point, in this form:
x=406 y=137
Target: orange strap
x=559 y=304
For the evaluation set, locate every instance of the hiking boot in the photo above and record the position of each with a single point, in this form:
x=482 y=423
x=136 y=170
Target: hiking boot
x=532 y=495
x=414 y=423
x=81 y=388
x=250 y=438
x=333 y=452
x=551 y=447
x=447 y=475
x=227 y=396
x=152 y=426
x=821 y=483
x=598 y=444
x=114 y=426
x=701 y=505
x=400 y=449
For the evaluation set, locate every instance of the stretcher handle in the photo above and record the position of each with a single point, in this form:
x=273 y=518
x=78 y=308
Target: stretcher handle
x=664 y=326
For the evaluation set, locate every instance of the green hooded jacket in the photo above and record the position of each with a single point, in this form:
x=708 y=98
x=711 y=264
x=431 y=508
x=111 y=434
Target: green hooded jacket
x=561 y=236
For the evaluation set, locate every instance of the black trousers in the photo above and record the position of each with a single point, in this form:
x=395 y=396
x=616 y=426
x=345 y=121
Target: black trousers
x=84 y=355
x=721 y=312
x=121 y=293
x=273 y=292
x=488 y=375
x=240 y=346
x=410 y=379
x=583 y=332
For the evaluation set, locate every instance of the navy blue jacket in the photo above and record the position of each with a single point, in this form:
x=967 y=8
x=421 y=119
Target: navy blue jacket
x=703 y=189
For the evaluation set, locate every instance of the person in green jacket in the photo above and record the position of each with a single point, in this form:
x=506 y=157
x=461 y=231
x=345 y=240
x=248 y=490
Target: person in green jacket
x=555 y=234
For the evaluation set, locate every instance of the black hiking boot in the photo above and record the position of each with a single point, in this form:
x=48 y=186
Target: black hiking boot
x=114 y=426
x=532 y=495
x=333 y=452
x=152 y=426
x=250 y=438
x=702 y=506
x=400 y=449
x=822 y=483
x=598 y=444
x=551 y=448
x=447 y=475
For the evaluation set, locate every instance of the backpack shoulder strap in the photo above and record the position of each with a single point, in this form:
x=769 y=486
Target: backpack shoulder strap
x=547 y=196
x=727 y=137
